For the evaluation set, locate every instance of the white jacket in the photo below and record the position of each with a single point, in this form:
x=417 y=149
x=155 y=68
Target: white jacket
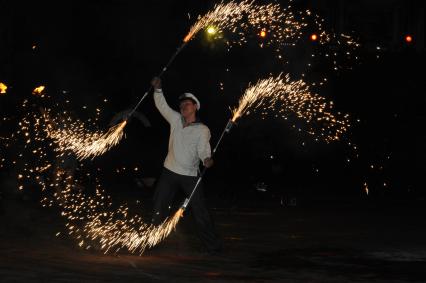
x=187 y=145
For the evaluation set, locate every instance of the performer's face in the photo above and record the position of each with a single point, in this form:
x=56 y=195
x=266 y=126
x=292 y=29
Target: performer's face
x=187 y=108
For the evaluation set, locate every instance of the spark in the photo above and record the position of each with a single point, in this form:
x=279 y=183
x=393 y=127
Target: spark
x=3 y=88
x=246 y=16
x=286 y=98
x=116 y=235
x=39 y=90
x=285 y=27
x=73 y=136
x=114 y=230
x=366 y=188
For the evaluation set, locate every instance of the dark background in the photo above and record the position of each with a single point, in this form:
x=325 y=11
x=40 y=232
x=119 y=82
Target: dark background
x=94 y=50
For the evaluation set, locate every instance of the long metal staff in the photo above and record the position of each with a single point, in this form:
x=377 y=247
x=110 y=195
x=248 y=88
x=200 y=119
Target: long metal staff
x=227 y=129
x=159 y=75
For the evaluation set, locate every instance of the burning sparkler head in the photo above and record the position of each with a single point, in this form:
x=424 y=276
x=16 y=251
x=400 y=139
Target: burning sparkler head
x=229 y=126
x=184 y=204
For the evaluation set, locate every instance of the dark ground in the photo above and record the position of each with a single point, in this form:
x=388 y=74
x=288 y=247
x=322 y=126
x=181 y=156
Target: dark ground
x=317 y=241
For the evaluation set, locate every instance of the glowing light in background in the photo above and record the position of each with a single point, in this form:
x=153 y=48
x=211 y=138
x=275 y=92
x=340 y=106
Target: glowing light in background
x=39 y=90
x=3 y=88
x=211 y=30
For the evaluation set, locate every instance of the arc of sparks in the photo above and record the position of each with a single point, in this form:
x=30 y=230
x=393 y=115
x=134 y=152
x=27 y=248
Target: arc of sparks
x=73 y=137
x=222 y=16
x=245 y=16
x=284 y=97
x=291 y=97
x=117 y=235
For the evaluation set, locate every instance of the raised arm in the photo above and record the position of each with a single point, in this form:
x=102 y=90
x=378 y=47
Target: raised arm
x=160 y=102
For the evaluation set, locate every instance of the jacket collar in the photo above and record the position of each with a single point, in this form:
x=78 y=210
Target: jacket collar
x=196 y=122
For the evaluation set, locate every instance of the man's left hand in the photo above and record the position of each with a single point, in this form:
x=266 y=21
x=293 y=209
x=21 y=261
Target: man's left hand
x=208 y=162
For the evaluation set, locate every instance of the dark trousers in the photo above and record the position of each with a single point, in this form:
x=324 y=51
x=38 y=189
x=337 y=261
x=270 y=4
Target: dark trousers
x=166 y=188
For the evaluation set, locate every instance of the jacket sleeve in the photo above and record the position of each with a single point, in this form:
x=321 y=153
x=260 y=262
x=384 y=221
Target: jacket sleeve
x=160 y=102
x=203 y=147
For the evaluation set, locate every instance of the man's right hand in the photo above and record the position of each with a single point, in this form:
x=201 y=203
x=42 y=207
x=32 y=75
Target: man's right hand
x=156 y=83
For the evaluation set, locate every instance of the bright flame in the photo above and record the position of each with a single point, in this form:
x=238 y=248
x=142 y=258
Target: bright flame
x=314 y=37
x=288 y=98
x=408 y=38
x=3 y=88
x=39 y=90
x=262 y=33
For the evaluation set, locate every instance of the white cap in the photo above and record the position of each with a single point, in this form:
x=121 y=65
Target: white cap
x=188 y=95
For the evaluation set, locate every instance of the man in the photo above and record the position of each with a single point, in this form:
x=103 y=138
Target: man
x=188 y=144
